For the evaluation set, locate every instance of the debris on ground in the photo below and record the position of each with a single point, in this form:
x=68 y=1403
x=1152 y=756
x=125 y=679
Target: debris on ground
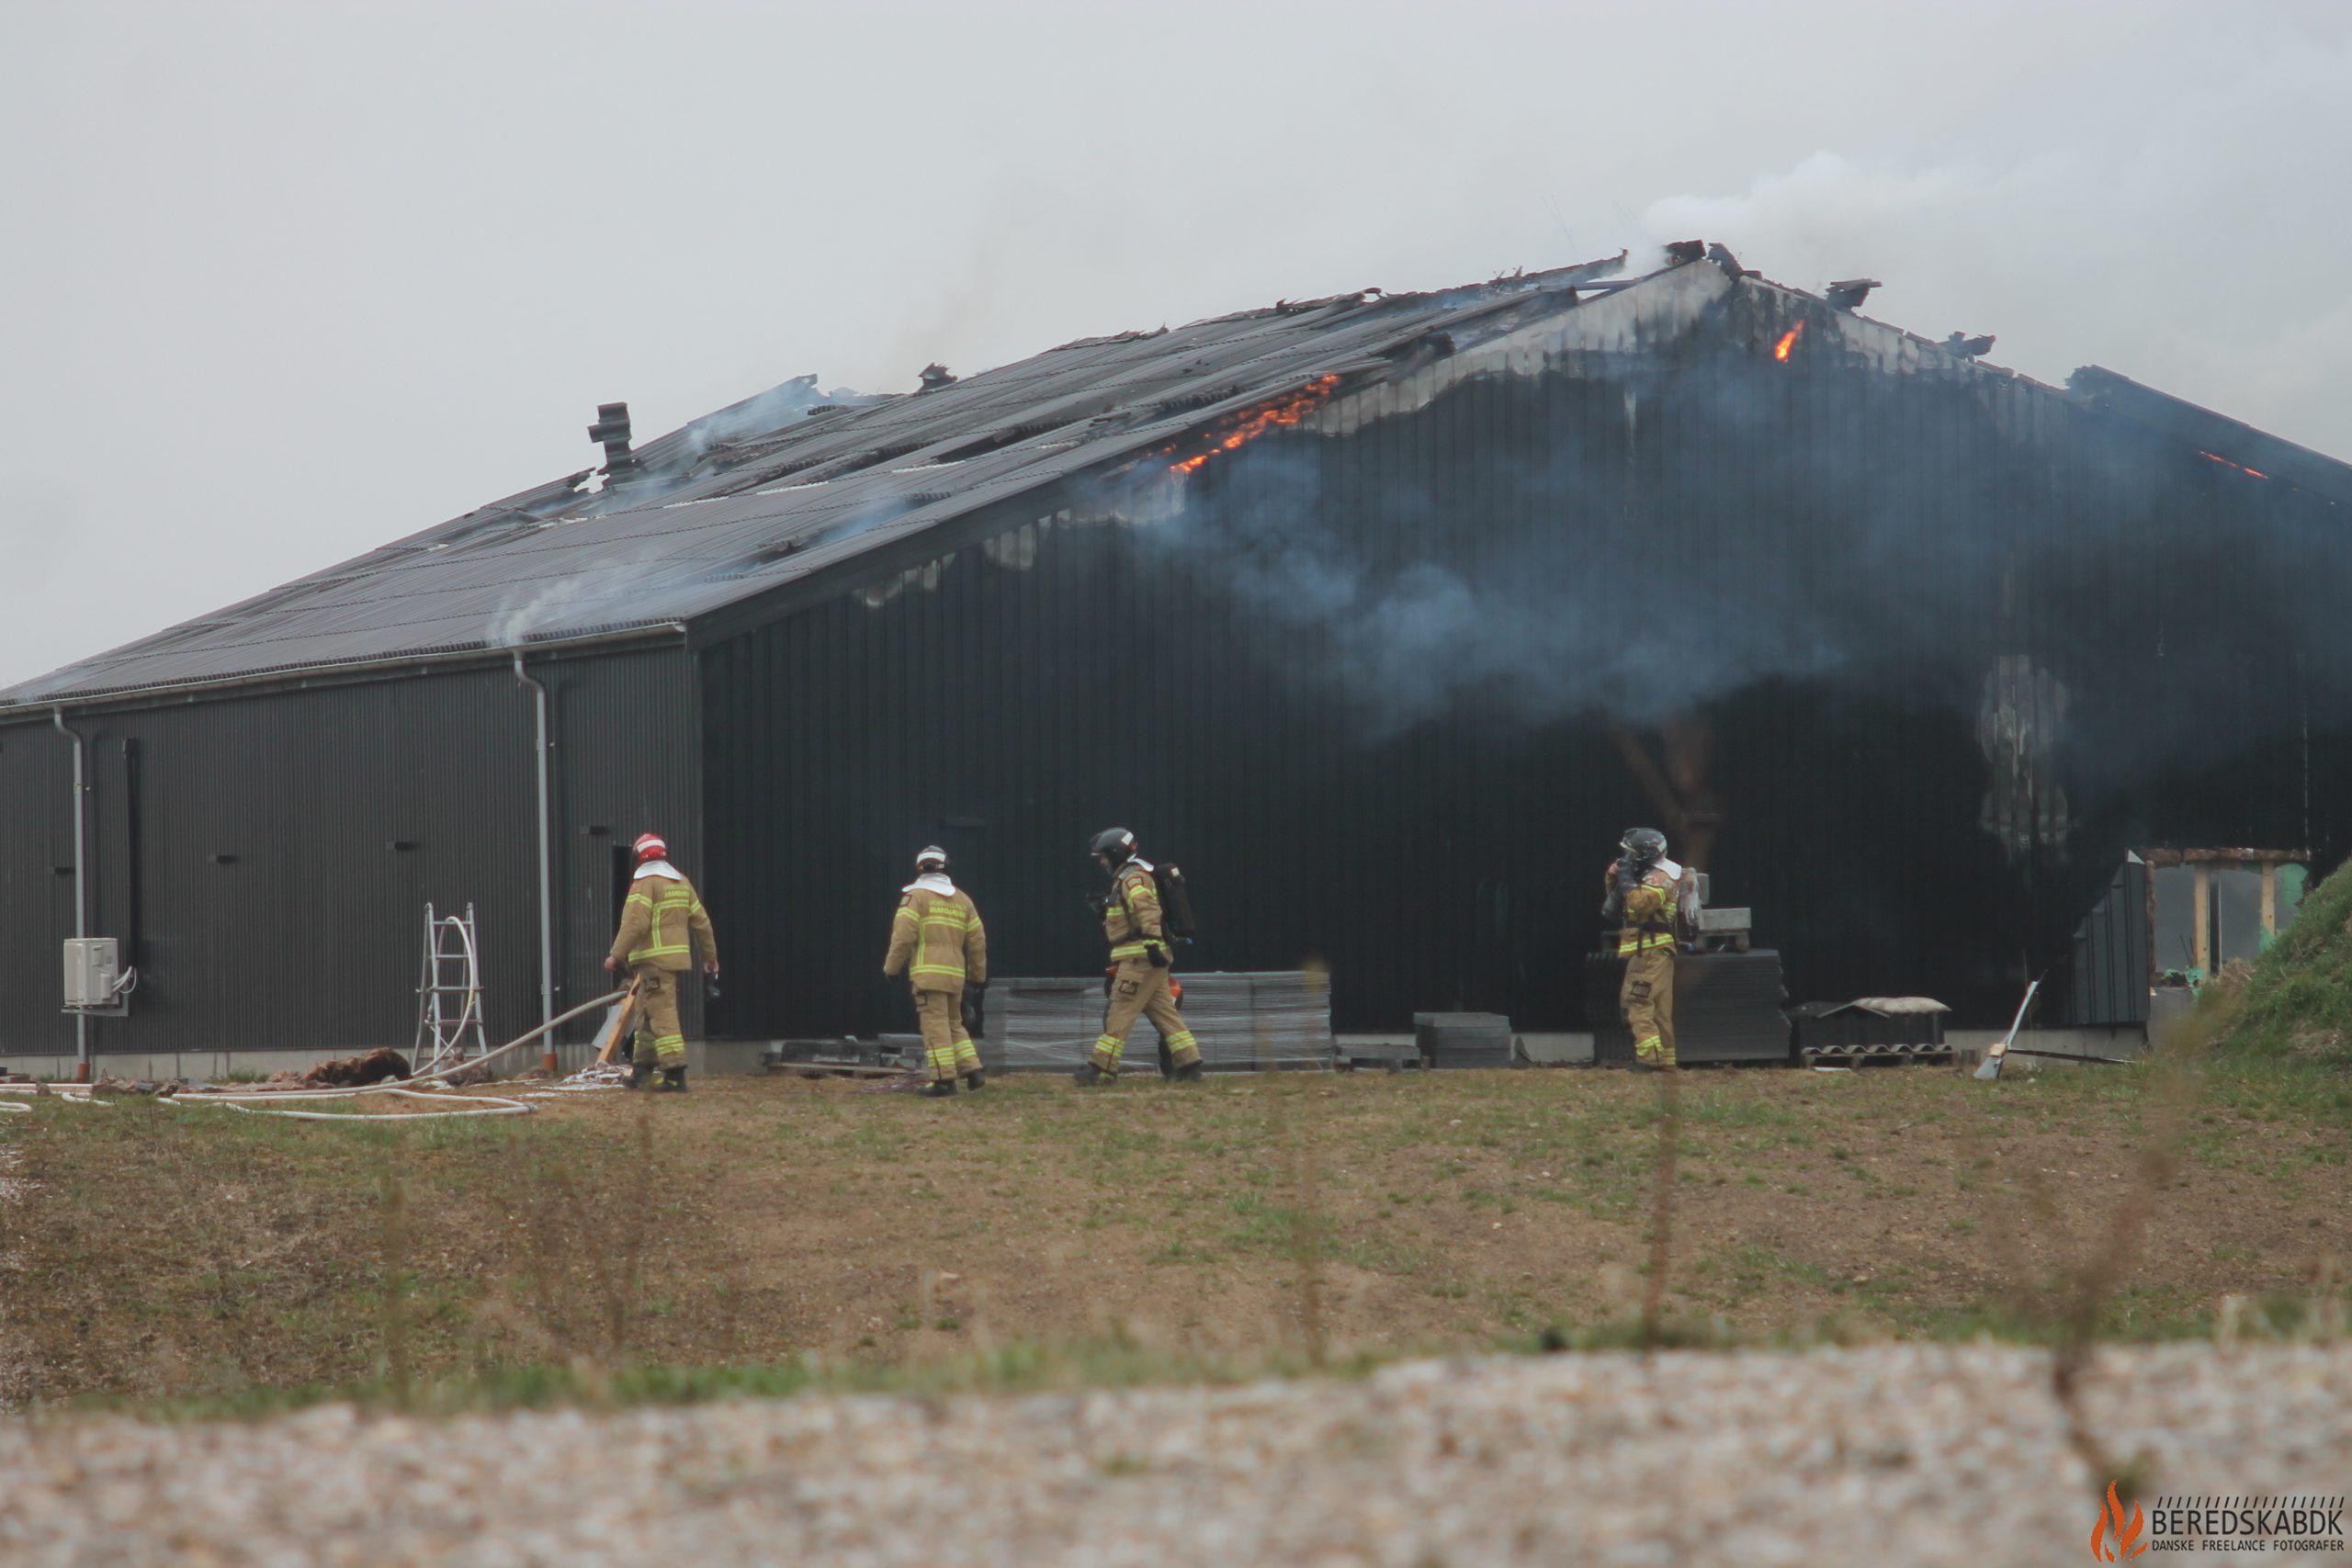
x=355 y=1072
x=595 y=1074
x=899 y=1081
x=135 y=1085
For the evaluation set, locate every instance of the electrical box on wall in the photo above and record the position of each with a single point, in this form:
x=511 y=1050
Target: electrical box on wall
x=94 y=978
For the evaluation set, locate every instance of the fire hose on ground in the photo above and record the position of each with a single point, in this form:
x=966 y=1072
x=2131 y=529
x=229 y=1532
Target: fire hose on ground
x=476 y=1105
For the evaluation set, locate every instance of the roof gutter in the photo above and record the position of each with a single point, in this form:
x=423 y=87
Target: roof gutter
x=303 y=675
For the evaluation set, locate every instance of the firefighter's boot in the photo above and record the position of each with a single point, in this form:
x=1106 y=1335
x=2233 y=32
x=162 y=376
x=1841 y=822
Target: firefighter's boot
x=943 y=1088
x=640 y=1073
x=1190 y=1072
x=975 y=1079
x=673 y=1081
x=1090 y=1074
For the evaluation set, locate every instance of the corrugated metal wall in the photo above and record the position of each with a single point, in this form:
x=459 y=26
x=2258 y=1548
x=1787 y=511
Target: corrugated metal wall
x=36 y=887
x=271 y=907
x=2104 y=980
x=1953 y=644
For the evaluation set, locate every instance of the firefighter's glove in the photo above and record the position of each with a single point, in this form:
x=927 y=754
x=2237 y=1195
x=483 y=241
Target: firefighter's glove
x=1157 y=954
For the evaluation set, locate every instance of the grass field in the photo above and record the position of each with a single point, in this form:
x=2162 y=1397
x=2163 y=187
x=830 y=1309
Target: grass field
x=778 y=1233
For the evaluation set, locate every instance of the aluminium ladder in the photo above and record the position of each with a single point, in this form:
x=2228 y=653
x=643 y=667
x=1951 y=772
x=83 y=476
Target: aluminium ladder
x=448 y=993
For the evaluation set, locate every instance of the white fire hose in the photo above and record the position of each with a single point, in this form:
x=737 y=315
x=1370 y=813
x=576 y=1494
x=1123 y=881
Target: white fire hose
x=475 y=1105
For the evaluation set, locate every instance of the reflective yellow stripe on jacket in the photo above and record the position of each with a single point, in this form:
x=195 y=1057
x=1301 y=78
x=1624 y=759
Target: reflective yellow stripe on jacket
x=943 y=915
x=937 y=940
x=1131 y=921
x=674 y=897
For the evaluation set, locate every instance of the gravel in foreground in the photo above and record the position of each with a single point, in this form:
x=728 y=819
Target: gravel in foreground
x=1911 y=1454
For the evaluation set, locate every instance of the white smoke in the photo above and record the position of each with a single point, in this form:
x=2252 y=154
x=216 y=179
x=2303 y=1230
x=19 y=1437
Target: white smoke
x=765 y=412
x=2157 y=245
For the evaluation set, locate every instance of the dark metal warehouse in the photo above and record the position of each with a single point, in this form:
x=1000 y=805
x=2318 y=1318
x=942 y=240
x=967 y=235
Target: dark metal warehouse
x=1386 y=613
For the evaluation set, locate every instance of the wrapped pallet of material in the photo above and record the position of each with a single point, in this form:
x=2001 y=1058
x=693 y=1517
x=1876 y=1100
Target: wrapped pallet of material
x=1243 y=1021
x=1258 y=1022
x=1041 y=1025
x=1727 y=1008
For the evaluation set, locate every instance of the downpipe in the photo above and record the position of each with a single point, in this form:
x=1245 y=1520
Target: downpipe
x=547 y=874
x=80 y=891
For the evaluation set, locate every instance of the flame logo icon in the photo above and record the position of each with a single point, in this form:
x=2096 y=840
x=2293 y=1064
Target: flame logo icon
x=2116 y=1538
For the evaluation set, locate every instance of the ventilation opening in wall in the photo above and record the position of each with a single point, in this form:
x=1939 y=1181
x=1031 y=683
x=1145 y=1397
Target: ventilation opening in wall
x=623 y=871
x=2210 y=909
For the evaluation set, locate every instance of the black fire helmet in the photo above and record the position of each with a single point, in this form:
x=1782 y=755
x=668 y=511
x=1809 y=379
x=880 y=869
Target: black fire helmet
x=1644 y=846
x=1113 y=844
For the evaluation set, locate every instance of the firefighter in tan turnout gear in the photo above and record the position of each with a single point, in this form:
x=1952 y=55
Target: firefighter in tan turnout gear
x=1142 y=966
x=1644 y=892
x=938 y=942
x=662 y=925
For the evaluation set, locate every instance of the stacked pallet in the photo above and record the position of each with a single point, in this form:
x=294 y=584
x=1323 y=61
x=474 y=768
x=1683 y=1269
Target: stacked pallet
x=1244 y=1021
x=1274 y=1019
x=1727 y=1008
x=1041 y=1025
x=1897 y=1027
x=1465 y=1039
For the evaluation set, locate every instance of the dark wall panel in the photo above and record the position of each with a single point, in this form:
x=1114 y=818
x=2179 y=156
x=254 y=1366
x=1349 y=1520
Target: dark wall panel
x=36 y=807
x=250 y=839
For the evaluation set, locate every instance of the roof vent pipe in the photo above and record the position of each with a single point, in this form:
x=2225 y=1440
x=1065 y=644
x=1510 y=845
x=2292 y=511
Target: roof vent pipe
x=936 y=375
x=612 y=429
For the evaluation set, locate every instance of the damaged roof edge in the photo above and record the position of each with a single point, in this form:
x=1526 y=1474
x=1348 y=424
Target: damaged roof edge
x=2233 y=441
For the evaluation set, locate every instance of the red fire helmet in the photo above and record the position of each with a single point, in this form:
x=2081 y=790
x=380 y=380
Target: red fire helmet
x=650 y=847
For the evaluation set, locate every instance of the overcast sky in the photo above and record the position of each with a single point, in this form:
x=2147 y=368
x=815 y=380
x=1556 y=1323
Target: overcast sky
x=280 y=282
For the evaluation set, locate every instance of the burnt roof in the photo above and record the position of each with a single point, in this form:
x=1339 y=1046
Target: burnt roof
x=742 y=501
x=771 y=491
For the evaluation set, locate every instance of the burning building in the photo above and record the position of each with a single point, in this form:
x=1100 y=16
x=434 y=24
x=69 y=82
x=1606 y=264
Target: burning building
x=1387 y=614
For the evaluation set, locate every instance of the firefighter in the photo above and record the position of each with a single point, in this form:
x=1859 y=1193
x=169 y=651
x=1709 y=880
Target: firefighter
x=1141 y=968
x=1644 y=893
x=662 y=925
x=938 y=942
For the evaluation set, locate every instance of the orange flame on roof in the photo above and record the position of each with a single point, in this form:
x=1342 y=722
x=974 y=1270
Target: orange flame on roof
x=1248 y=426
x=2116 y=1538
x=1788 y=341
x=2217 y=458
